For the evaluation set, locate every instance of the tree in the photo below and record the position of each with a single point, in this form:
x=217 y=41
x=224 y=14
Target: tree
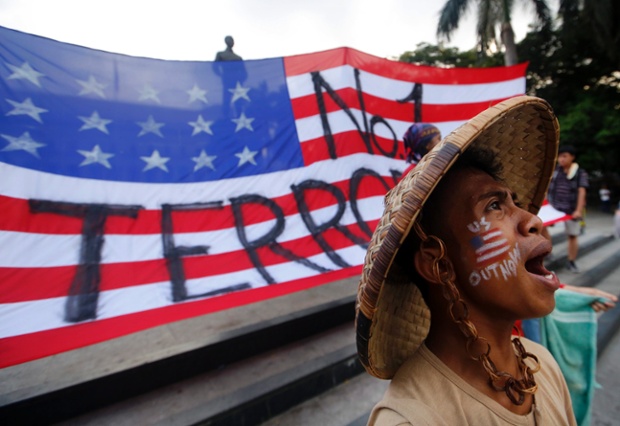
x=581 y=80
x=491 y=13
x=448 y=57
x=602 y=17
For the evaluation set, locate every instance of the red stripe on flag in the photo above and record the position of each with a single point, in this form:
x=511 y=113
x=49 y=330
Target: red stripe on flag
x=303 y=64
x=28 y=347
x=55 y=281
x=307 y=106
x=22 y=219
x=348 y=143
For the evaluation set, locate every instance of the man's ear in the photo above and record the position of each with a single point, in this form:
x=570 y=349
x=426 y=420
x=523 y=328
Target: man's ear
x=430 y=251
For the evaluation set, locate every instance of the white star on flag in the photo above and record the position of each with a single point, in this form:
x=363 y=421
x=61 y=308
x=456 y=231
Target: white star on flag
x=239 y=92
x=25 y=72
x=91 y=86
x=147 y=92
x=95 y=156
x=243 y=122
x=201 y=126
x=150 y=126
x=95 y=122
x=26 y=108
x=155 y=161
x=246 y=156
x=24 y=142
x=196 y=94
x=204 y=160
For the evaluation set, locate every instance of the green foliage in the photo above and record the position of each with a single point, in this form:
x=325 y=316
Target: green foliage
x=594 y=129
x=575 y=74
x=448 y=57
x=492 y=15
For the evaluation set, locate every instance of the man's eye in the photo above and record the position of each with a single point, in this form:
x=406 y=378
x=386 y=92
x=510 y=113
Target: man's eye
x=494 y=205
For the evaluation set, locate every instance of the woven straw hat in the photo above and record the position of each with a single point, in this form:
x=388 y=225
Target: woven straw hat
x=392 y=319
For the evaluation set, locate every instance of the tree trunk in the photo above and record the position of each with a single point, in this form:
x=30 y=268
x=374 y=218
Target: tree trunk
x=510 y=48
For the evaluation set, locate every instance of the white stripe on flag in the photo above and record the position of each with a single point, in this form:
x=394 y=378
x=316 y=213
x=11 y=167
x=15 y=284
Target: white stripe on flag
x=392 y=89
x=29 y=184
x=26 y=250
x=46 y=314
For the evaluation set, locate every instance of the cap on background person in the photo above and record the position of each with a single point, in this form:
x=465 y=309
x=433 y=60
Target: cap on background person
x=419 y=140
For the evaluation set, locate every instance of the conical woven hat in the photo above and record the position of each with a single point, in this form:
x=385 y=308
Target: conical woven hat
x=392 y=319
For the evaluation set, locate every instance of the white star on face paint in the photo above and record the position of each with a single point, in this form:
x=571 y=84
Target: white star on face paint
x=147 y=93
x=95 y=122
x=24 y=142
x=239 y=92
x=25 y=72
x=201 y=126
x=204 y=160
x=150 y=126
x=246 y=156
x=95 y=156
x=196 y=94
x=91 y=86
x=26 y=108
x=243 y=122
x=155 y=161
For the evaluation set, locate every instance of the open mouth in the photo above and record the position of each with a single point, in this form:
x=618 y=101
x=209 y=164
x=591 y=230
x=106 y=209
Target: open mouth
x=535 y=266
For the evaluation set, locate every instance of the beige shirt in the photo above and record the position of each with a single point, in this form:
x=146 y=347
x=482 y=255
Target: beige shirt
x=425 y=391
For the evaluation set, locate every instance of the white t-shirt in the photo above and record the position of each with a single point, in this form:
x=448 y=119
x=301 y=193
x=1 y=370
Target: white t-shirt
x=425 y=391
x=604 y=193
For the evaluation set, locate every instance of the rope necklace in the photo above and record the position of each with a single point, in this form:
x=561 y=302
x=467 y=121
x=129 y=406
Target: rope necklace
x=515 y=389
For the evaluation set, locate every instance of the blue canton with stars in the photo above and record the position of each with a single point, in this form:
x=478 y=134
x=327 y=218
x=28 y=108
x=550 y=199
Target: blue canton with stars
x=74 y=111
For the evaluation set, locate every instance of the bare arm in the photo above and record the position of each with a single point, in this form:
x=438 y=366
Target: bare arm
x=597 y=306
x=581 y=203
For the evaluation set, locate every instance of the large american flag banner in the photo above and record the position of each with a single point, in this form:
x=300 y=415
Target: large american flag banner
x=136 y=192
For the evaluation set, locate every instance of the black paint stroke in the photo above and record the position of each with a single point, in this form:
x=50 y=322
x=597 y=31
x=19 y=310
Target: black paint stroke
x=416 y=97
x=319 y=82
x=174 y=254
x=354 y=184
x=373 y=122
x=367 y=134
x=317 y=230
x=83 y=293
x=267 y=240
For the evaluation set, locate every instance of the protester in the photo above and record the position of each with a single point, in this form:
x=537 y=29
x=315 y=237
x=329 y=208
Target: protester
x=455 y=260
x=419 y=139
x=567 y=193
x=617 y=222
x=605 y=196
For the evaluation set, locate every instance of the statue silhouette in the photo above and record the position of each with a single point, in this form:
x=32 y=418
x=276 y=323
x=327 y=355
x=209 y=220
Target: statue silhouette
x=228 y=54
x=231 y=69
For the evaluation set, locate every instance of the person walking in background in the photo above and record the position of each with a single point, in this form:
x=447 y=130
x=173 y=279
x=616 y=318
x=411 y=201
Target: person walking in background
x=419 y=139
x=617 y=222
x=605 y=195
x=567 y=193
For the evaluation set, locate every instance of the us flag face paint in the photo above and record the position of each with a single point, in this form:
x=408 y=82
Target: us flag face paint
x=490 y=246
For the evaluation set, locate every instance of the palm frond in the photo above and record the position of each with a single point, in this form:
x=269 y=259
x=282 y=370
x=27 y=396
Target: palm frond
x=450 y=16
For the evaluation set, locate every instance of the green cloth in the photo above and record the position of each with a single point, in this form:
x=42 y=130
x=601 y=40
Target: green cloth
x=569 y=333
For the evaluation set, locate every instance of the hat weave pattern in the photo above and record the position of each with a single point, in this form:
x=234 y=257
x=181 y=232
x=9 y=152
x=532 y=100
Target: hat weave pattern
x=392 y=319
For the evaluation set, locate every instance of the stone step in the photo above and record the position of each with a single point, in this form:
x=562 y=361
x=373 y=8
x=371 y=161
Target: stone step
x=83 y=382
x=246 y=392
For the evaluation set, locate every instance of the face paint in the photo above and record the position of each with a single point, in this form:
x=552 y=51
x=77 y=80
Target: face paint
x=504 y=269
x=489 y=246
x=476 y=226
x=493 y=254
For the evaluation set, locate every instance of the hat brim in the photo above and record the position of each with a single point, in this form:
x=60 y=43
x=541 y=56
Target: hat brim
x=392 y=319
